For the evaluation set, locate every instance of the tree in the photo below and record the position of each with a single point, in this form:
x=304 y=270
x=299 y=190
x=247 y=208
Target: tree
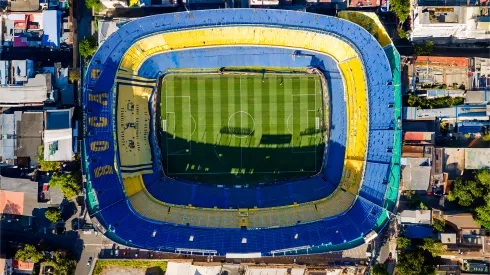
x=74 y=76
x=424 y=49
x=47 y=166
x=62 y=265
x=403 y=242
x=401 y=8
x=439 y=225
x=69 y=183
x=483 y=176
x=379 y=269
x=401 y=33
x=28 y=252
x=466 y=192
x=88 y=47
x=410 y=263
x=482 y=215
x=486 y=137
x=53 y=215
x=93 y=4
x=414 y=263
x=433 y=247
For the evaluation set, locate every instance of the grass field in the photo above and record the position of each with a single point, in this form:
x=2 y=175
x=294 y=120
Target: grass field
x=241 y=128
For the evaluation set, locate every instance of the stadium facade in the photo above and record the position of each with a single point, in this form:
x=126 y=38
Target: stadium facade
x=345 y=205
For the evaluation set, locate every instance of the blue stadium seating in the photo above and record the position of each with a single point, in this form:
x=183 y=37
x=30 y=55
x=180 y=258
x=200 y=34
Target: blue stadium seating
x=138 y=231
x=375 y=182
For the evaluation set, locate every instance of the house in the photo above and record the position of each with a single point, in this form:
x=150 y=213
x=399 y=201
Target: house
x=22 y=196
x=416 y=173
x=11 y=266
x=450 y=25
x=33 y=29
x=21 y=135
x=419 y=138
x=416 y=217
x=32 y=93
x=24 y=5
x=52 y=31
x=59 y=144
x=449 y=239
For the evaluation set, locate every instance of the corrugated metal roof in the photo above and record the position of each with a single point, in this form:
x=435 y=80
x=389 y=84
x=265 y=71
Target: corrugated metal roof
x=52 y=28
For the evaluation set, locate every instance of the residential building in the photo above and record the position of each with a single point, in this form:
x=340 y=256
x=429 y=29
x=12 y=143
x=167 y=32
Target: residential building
x=33 y=93
x=24 y=5
x=450 y=25
x=416 y=224
x=21 y=135
x=416 y=217
x=59 y=144
x=33 y=29
x=480 y=72
x=419 y=138
x=416 y=174
x=438 y=72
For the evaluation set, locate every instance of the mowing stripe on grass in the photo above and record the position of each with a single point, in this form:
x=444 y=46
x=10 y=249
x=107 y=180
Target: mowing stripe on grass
x=208 y=88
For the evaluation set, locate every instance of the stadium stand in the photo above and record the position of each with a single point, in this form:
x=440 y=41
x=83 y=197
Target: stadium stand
x=333 y=231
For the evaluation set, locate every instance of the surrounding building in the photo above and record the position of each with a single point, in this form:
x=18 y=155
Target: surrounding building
x=33 y=29
x=59 y=144
x=450 y=24
x=416 y=174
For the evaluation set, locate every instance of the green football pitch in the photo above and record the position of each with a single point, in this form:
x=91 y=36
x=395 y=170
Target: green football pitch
x=241 y=128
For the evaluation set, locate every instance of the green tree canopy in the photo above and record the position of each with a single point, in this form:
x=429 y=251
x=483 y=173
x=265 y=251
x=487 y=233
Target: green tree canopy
x=424 y=49
x=401 y=8
x=482 y=215
x=439 y=225
x=486 y=137
x=414 y=263
x=28 y=252
x=440 y=102
x=466 y=192
x=53 y=214
x=403 y=242
x=69 y=183
x=62 y=265
x=433 y=247
x=379 y=269
x=483 y=176
x=47 y=166
x=88 y=47
x=93 y=4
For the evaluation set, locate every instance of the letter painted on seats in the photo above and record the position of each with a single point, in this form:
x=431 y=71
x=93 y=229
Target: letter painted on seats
x=100 y=98
x=97 y=121
x=103 y=170
x=97 y=146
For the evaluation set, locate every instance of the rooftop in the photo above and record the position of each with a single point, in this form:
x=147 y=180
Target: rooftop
x=35 y=91
x=58 y=135
x=462 y=221
x=416 y=217
x=443 y=24
x=29 y=134
x=24 y=5
x=477 y=158
x=416 y=174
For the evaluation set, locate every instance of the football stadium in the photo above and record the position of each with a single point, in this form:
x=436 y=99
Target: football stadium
x=243 y=132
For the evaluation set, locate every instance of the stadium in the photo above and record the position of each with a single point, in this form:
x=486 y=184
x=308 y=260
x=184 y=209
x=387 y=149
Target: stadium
x=243 y=132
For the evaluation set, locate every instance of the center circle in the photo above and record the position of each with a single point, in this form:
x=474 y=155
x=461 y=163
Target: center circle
x=241 y=124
